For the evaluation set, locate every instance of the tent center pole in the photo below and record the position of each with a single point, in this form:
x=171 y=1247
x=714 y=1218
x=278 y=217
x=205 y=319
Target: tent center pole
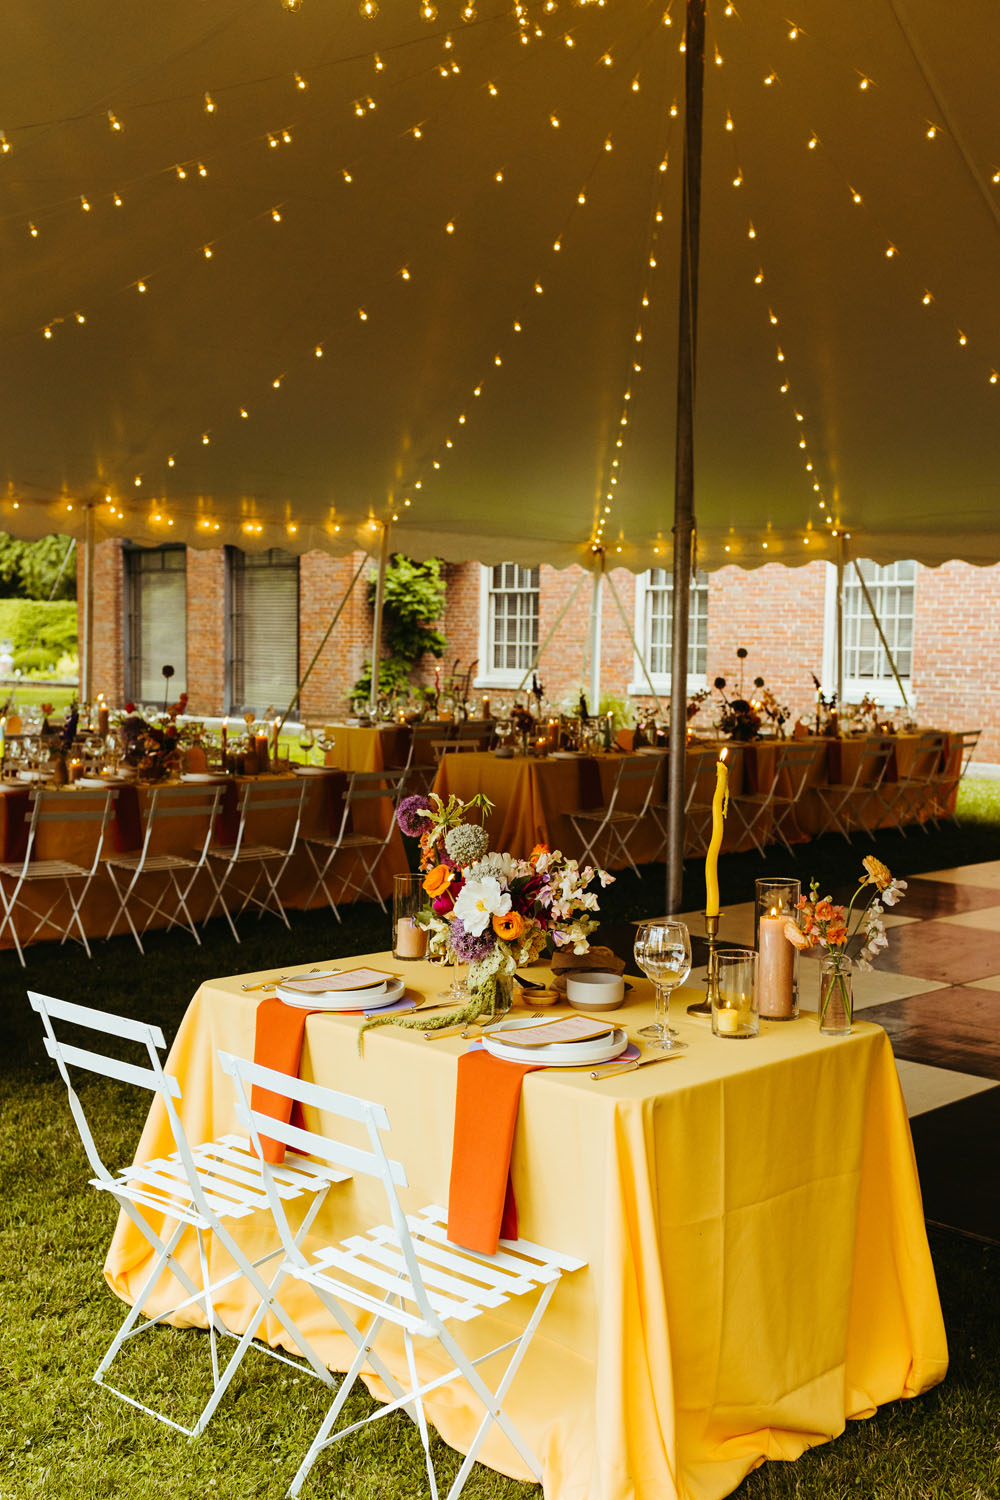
x=683 y=529
x=840 y=621
x=383 y=562
x=595 y=634
x=87 y=681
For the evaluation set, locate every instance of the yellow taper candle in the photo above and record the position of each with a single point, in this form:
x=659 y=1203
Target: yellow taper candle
x=720 y=803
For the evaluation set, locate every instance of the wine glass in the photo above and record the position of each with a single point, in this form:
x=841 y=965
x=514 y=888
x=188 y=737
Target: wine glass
x=307 y=740
x=663 y=952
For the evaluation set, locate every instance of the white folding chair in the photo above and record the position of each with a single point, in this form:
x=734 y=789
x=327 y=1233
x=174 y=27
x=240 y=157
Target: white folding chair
x=764 y=814
x=701 y=779
x=855 y=804
x=204 y=1189
x=197 y=803
x=406 y=1273
x=376 y=790
x=48 y=808
x=420 y=769
x=904 y=800
x=479 y=731
x=283 y=800
x=951 y=779
x=634 y=783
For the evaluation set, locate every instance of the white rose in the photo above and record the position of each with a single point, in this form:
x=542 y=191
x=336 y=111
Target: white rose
x=478 y=901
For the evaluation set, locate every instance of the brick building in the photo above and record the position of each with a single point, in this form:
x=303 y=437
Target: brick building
x=239 y=628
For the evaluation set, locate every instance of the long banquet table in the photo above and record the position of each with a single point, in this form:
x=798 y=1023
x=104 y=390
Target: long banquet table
x=533 y=795
x=758 y=1269
x=71 y=841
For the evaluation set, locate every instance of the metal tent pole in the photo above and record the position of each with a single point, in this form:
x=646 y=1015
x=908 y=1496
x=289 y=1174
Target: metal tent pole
x=87 y=676
x=383 y=562
x=694 y=88
x=840 y=620
x=595 y=634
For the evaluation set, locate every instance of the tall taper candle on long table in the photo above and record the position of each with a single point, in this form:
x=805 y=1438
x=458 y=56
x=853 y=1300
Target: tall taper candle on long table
x=720 y=805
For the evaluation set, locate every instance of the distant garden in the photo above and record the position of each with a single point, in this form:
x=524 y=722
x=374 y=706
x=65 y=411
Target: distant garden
x=38 y=619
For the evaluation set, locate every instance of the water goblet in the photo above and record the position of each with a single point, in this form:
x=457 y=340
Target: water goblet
x=307 y=740
x=663 y=952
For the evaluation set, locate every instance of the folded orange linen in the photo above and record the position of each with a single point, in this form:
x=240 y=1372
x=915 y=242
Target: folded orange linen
x=481 y=1207
x=277 y=1044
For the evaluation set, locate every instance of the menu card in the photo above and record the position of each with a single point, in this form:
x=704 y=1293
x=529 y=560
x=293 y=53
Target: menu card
x=346 y=979
x=559 y=1029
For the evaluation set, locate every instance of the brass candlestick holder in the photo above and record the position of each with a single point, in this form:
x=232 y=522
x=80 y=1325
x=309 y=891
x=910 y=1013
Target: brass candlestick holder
x=704 y=1007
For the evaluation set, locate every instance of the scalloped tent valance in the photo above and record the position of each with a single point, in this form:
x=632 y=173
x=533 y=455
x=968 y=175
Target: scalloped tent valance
x=270 y=277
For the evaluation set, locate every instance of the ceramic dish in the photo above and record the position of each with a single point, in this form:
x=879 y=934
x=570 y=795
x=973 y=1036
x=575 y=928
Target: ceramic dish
x=591 y=991
x=563 y=1055
x=313 y=770
x=95 y=781
x=371 y=999
x=208 y=776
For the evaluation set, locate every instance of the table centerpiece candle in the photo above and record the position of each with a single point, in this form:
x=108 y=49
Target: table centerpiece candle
x=720 y=805
x=777 y=965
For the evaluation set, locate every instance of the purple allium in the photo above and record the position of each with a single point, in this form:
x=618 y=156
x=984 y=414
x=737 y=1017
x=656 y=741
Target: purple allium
x=407 y=816
x=468 y=948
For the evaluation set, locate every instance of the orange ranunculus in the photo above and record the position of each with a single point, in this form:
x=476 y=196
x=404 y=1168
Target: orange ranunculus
x=537 y=852
x=437 y=881
x=509 y=926
x=836 y=934
x=824 y=909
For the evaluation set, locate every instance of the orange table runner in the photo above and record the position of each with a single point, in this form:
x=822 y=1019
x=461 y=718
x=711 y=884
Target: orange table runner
x=481 y=1206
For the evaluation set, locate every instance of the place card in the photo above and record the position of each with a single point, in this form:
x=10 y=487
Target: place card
x=558 y=1029
x=347 y=979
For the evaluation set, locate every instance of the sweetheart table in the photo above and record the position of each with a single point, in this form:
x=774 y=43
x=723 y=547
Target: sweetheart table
x=757 y=1265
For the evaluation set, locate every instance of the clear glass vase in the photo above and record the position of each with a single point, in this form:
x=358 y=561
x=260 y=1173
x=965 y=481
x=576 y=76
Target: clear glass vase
x=836 y=995
x=503 y=996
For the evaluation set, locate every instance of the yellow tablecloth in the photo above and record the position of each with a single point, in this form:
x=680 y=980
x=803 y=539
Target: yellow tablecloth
x=758 y=1269
x=367 y=747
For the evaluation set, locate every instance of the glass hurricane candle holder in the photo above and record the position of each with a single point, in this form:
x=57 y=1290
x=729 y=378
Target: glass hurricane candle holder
x=734 y=1004
x=778 y=959
x=409 y=941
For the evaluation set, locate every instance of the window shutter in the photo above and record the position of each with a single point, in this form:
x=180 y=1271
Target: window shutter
x=265 y=626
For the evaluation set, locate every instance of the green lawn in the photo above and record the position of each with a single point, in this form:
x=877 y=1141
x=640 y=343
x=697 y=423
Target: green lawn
x=33 y=694
x=64 y=1437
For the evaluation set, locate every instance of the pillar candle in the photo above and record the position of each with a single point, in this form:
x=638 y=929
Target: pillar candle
x=102 y=716
x=411 y=940
x=720 y=803
x=486 y=708
x=260 y=748
x=225 y=736
x=3 y=741
x=775 y=967
x=75 y=770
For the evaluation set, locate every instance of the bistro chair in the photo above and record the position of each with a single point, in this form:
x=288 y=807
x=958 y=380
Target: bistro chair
x=769 y=814
x=850 y=806
x=81 y=809
x=204 y=1190
x=198 y=804
x=634 y=783
x=281 y=800
x=904 y=800
x=961 y=750
x=697 y=804
x=479 y=731
x=427 y=742
x=375 y=790
x=405 y=1272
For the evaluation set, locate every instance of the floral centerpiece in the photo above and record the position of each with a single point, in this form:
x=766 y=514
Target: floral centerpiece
x=850 y=936
x=153 y=750
x=492 y=911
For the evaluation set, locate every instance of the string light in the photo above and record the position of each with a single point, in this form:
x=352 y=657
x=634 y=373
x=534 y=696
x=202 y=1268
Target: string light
x=5 y=146
x=113 y=121
x=209 y=105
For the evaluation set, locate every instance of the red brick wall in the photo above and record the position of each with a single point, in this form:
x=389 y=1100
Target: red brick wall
x=109 y=618
x=323 y=582
x=206 y=622
x=955 y=647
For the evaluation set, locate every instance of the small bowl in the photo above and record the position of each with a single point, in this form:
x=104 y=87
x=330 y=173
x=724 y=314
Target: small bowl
x=591 y=991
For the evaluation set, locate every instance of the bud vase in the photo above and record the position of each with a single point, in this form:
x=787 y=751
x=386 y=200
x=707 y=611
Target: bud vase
x=836 y=995
x=503 y=996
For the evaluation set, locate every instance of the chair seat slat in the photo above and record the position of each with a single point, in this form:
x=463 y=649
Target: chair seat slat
x=382 y=1245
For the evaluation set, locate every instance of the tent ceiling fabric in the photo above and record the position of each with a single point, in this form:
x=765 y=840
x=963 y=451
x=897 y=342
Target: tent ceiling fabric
x=901 y=422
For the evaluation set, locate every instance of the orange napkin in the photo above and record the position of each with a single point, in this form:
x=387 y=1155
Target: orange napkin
x=481 y=1207
x=277 y=1044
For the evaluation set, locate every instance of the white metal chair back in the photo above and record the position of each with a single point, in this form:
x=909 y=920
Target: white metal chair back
x=377 y=791
x=158 y=854
x=480 y=731
x=197 y=1188
x=269 y=800
x=767 y=813
x=905 y=799
x=634 y=784
x=51 y=809
x=426 y=746
x=854 y=804
x=961 y=748
x=405 y=1272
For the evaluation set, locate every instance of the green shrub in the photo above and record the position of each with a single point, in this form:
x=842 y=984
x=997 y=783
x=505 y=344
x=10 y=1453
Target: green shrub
x=38 y=659
x=37 y=624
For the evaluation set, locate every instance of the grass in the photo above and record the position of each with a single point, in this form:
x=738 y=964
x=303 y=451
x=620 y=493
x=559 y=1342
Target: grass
x=30 y=694
x=65 y=1438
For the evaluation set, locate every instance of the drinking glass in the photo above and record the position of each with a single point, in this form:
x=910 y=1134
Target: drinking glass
x=306 y=742
x=663 y=952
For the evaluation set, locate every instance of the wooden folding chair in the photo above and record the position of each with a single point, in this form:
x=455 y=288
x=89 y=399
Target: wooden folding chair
x=635 y=782
x=270 y=799
x=365 y=789
x=49 y=808
x=192 y=802
x=767 y=813
x=852 y=805
x=203 y=1189
x=405 y=1272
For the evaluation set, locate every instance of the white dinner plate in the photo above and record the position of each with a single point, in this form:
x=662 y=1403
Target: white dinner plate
x=559 y=1054
x=565 y=755
x=205 y=776
x=95 y=781
x=375 y=998
x=314 y=770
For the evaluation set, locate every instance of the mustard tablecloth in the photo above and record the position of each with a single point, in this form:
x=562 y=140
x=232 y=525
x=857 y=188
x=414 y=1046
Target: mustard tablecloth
x=758 y=1269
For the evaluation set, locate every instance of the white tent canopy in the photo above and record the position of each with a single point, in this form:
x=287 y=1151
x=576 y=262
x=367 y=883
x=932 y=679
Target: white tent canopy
x=351 y=287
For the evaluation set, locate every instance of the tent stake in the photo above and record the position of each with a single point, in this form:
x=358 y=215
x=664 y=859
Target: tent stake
x=694 y=87
x=383 y=560
x=316 y=655
x=881 y=632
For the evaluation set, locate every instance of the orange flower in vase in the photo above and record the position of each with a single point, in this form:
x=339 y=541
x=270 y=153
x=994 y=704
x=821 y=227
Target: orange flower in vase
x=437 y=881
x=509 y=926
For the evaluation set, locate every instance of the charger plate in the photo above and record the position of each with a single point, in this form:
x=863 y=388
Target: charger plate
x=565 y=1054
x=375 y=998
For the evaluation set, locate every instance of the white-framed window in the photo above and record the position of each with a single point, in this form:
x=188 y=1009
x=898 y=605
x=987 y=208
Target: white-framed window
x=654 y=602
x=508 y=624
x=867 y=668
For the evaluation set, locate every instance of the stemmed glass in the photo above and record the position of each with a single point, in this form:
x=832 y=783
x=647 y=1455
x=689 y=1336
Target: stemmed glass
x=663 y=952
x=306 y=742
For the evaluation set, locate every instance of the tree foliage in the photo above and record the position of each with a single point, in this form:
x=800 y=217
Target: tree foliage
x=414 y=599
x=29 y=570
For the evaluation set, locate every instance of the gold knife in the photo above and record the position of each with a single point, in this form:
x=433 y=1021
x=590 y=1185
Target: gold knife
x=630 y=1067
